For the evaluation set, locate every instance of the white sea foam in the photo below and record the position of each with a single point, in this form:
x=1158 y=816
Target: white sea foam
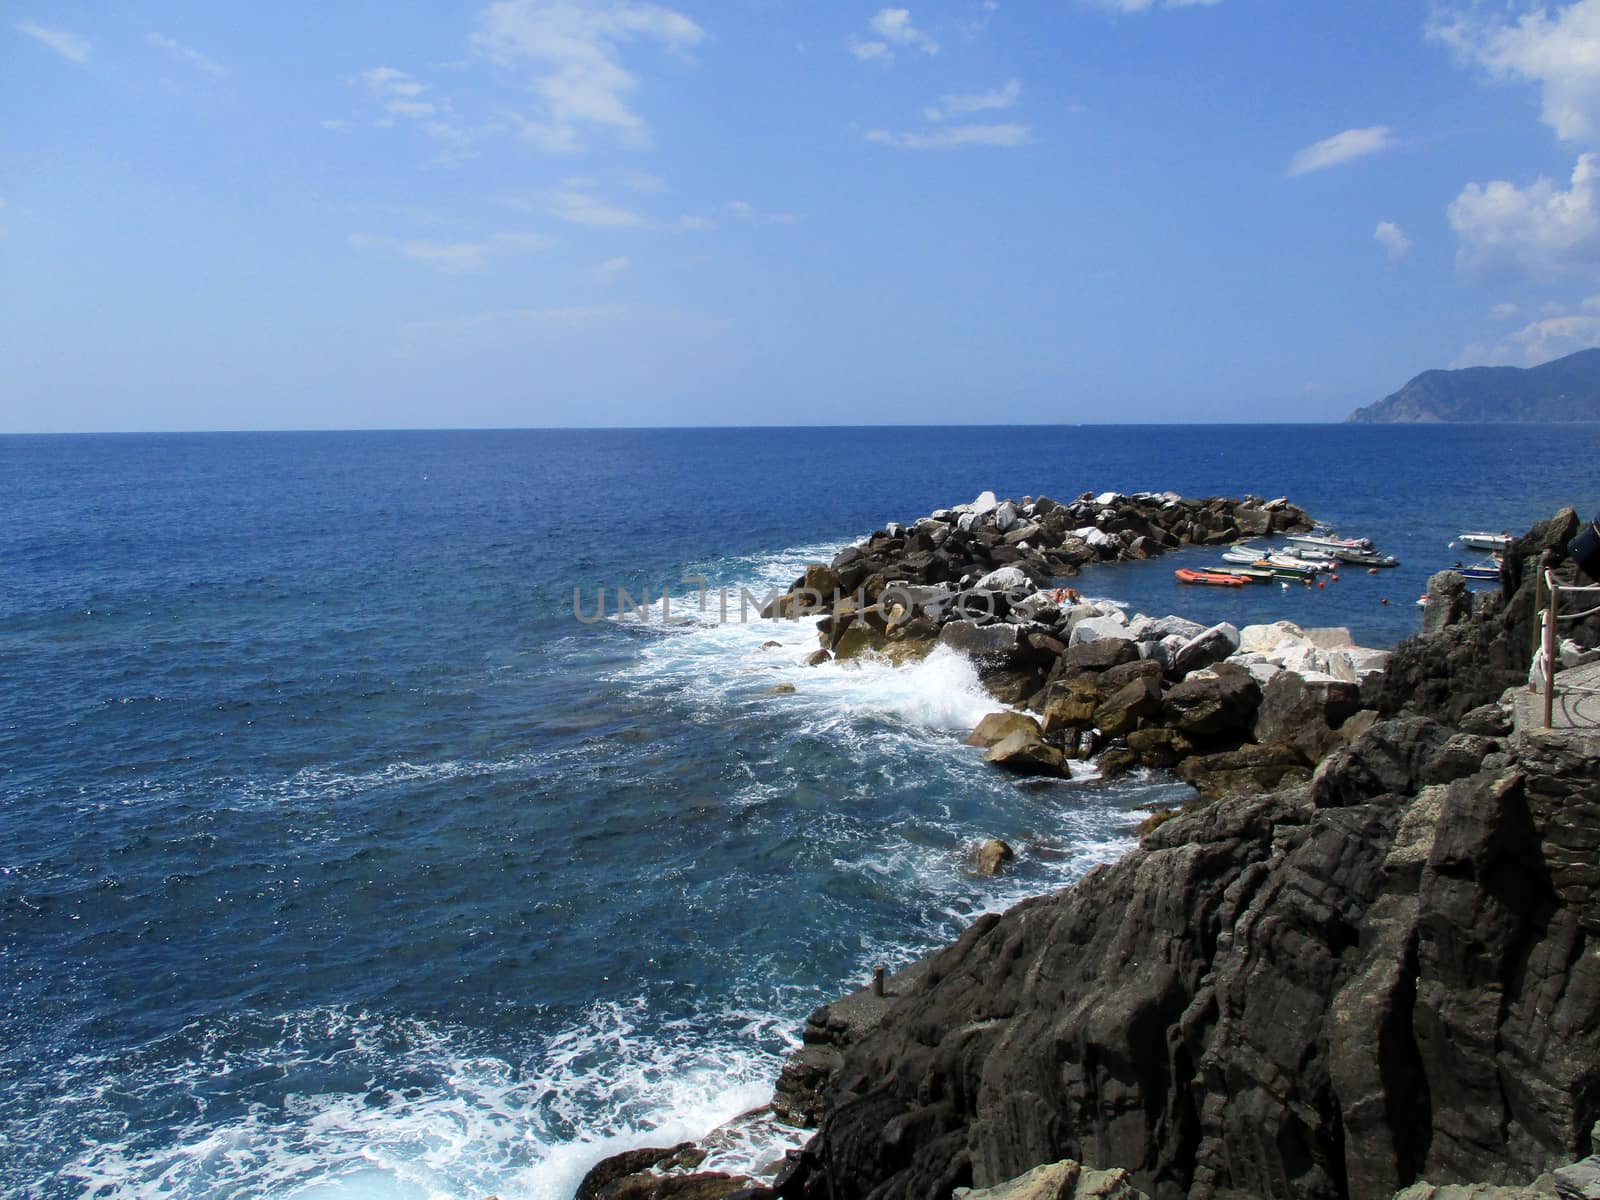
x=475 y=1125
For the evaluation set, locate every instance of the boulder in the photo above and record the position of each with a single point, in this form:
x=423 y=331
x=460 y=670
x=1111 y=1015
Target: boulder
x=1209 y=703
x=992 y=647
x=817 y=657
x=1154 y=747
x=1099 y=655
x=1205 y=648
x=1448 y=602
x=1006 y=579
x=1304 y=711
x=991 y=856
x=998 y=726
x=1249 y=770
x=1354 y=664
x=1153 y=629
x=1264 y=639
x=820 y=578
x=1387 y=760
x=781 y=689
x=1064 y=1180
x=1005 y=516
x=1122 y=711
x=1092 y=629
x=1026 y=754
x=1140 y=668
x=1070 y=705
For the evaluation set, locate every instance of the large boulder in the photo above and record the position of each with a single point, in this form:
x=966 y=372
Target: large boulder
x=998 y=726
x=1304 y=711
x=1124 y=709
x=1249 y=770
x=991 y=647
x=1006 y=579
x=1213 y=702
x=1026 y=754
x=1093 y=629
x=991 y=856
x=1099 y=655
x=1386 y=761
x=1070 y=704
x=1205 y=648
x=1153 y=629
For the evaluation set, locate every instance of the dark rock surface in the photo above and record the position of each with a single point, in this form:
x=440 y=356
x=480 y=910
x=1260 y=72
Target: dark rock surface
x=1387 y=975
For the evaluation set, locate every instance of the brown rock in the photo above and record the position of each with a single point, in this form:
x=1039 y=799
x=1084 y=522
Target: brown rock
x=992 y=855
x=998 y=726
x=1123 y=710
x=1026 y=754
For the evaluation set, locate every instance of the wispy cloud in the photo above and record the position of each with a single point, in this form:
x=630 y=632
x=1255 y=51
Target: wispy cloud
x=1539 y=341
x=1393 y=239
x=70 y=46
x=1139 y=6
x=458 y=257
x=583 y=208
x=575 y=52
x=1342 y=148
x=890 y=27
x=951 y=137
x=964 y=104
x=398 y=93
x=612 y=269
x=187 y=54
x=1504 y=312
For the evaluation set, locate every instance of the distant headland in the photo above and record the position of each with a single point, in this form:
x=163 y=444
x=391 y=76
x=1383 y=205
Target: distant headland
x=1567 y=389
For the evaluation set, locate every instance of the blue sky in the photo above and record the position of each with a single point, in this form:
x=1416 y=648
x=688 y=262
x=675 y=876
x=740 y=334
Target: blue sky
x=605 y=212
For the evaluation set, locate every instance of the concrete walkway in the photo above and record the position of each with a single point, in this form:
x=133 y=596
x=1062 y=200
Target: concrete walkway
x=1575 y=712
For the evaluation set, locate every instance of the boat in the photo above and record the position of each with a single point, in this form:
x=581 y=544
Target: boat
x=1323 y=560
x=1246 y=556
x=1251 y=574
x=1363 y=558
x=1486 y=571
x=1485 y=541
x=1214 y=578
x=1288 y=568
x=1329 y=543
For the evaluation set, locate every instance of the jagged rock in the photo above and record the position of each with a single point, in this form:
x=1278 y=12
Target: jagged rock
x=993 y=855
x=1265 y=639
x=1139 y=668
x=1205 y=649
x=999 y=646
x=1065 y=1180
x=1101 y=654
x=1154 y=747
x=1122 y=711
x=1387 y=760
x=998 y=726
x=1006 y=579
x=1540 y=1189
x=1246 y=771
x=1208 y=703
x=1305 y=712
x=781 y=689
x=1070 y=704
x=1462 y=754
x=1448 y=602
x=1026 y=754
x=1153 y=629
x=817 y=657
x=1491 y=720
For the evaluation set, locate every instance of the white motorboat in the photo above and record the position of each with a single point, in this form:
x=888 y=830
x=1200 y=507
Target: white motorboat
x=1329 y=543
x=1481 y=540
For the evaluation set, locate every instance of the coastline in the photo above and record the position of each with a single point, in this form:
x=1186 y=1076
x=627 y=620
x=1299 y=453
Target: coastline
x=819 y=1073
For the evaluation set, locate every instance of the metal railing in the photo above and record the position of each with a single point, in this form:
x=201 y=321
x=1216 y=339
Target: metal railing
x=1548 y=614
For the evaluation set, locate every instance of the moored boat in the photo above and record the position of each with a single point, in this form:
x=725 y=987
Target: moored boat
x=1363 y=558
x=1329 y=543
x=1213 y=578
x=1480 y=540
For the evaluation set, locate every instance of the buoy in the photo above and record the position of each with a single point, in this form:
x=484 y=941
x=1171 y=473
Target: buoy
x=1385 y=600
x=1322 y=585
x=1372 y=570
x=1336 y=578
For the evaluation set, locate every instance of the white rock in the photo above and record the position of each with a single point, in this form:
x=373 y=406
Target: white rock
x=1262 y=672
x=1262 y=639
x=1093 y=629
x=1004 y=579
x=1105 y=498
x=984 y=504
x=1005 y=517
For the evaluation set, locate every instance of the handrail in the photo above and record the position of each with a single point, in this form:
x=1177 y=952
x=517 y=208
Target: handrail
x=1549 y=615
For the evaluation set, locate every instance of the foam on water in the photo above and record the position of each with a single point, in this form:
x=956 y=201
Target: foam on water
x=410 y=1110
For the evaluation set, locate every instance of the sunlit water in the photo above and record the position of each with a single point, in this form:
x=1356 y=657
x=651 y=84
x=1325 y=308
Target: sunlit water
x=341 y=860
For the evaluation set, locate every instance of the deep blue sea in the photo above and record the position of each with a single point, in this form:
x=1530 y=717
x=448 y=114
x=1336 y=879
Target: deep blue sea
x=338 y=859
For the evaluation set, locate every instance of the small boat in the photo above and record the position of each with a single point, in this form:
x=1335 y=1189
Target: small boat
x=1323 y=560
x=1487 y=571
x=1246 y=556
x=1363 y=558
x=1251 y=574
x=1288 y=568
x=1329 y=543
x=1214 y=578
x=1485 y=541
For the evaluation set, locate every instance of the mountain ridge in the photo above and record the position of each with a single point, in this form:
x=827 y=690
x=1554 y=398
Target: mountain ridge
x=1565 y=389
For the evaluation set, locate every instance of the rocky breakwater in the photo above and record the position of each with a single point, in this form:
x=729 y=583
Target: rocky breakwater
x=1386 y=977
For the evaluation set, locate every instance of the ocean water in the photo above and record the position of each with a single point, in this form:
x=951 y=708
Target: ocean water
x=339 y=859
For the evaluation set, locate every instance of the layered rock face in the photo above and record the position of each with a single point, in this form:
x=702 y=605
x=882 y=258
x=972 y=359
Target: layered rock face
x=1388 y=975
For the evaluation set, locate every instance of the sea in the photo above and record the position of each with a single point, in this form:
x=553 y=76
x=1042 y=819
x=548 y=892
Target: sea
x=351 y=847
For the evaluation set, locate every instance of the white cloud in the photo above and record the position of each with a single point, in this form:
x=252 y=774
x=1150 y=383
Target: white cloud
x=1539 y=342
x=1393 y=239
x=612 y=269
x=894 y=25
x=187 y=54
x=693 y=224
x=1561 y=53
x=398 y=92
x=1504 y=312
x=575 y=50
x=950 y=137
x=1540 y=230
x=457 y=257
x=68 y=45
x=643 y=181
x=582 y=208
x=1001 y=97
x=1341 y=148
x=869 y=51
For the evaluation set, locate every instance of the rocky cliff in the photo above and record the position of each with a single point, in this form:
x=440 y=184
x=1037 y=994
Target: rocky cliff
x=1567 y=389
x=1390 y=974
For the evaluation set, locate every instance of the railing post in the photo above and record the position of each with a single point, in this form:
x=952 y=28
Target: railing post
x=1550 y=649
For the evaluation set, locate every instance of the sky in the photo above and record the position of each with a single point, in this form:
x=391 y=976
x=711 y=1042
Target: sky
x=405 y=214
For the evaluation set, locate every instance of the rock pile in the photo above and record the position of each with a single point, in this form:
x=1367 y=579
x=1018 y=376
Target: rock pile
x=1042 y=539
